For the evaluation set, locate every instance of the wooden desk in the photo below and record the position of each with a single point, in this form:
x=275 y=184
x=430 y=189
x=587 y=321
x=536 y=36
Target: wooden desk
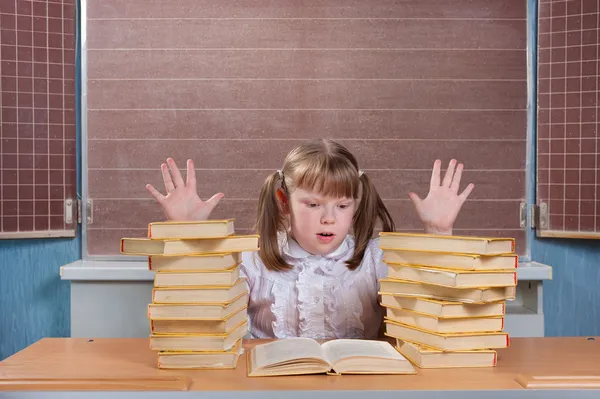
x=126 y=368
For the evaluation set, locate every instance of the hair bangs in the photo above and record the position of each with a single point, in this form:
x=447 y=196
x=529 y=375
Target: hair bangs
x=328 y=177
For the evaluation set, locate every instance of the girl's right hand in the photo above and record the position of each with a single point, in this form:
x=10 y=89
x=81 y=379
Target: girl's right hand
x=182 y=202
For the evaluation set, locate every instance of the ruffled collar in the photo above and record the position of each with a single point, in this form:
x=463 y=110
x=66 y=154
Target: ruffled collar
x=290 y=247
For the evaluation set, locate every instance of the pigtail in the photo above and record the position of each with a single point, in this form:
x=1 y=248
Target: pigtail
x=370 y=209
x=269 y=223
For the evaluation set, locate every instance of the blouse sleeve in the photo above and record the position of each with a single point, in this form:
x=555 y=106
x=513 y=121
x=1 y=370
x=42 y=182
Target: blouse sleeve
x=381 y=269
x=374 y=257
x=249 y=268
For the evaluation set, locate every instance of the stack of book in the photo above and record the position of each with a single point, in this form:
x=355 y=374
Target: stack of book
x=445 y=297
x=198 y=315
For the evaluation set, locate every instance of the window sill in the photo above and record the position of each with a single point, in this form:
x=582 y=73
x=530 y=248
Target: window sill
x=113 y=270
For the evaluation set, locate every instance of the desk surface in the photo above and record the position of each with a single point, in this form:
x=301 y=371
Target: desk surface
x=73 y=364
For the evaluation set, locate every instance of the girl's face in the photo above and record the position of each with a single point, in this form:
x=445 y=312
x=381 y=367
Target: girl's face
x=318 y=223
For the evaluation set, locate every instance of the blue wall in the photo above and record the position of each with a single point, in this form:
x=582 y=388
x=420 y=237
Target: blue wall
x=572 y=297
x=34 y=302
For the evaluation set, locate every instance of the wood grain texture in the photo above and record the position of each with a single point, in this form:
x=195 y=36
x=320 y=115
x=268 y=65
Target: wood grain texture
x=116 y=359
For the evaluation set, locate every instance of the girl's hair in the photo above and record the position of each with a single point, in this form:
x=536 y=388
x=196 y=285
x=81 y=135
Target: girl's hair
x=328 y=168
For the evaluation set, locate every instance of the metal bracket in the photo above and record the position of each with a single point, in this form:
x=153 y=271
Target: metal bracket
x=89 y=208
x=543 y=216
x=523 y=215
x=539 y=216
x=73 y=211
x=69 y=211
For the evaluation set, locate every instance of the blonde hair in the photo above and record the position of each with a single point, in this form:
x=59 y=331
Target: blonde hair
x=328 y=168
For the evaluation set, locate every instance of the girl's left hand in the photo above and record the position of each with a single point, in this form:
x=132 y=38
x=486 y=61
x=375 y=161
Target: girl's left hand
x=439 y=209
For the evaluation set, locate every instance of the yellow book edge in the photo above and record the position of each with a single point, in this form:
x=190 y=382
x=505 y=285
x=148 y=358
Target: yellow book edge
x=195 y=318
x=187 y=222
x=432 y=349
x=448 y=335
x=441 y=318
x=451 y=270
x=223 y=319
x=429 y=349
x=452 y=303
x=194 y=255
x=443 y=352
x=222 y=304
x=180 y=254
x=457 y=273
x=457 y=254
x=479 y=287
x=437 y=236
x=237 y=282
x=230 y=237
x=436 y=301
x=230 y=269
x=182 y=335
x=193 y=238
x=238 y=351
x=418 y=296
x=462 y=287
x=200 y=368
x=236 y=347
x=414 y=363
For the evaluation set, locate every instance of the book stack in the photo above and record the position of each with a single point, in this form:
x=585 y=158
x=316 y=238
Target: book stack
x=198 y=313
x=445 y=297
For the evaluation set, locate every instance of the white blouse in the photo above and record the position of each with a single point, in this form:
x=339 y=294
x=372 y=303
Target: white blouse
x=319 y=297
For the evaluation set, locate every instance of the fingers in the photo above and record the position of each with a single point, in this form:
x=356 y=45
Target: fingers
x=213 y=201
x=169 y=186
x=155 y=193
x=177 y=179
x=416 y=200
x=449 y=173
x=463 y=196
x=191 y=175
x=435 y=174
x=456 y=179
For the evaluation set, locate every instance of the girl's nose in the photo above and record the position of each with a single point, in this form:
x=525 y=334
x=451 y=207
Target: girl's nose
x=327 y=217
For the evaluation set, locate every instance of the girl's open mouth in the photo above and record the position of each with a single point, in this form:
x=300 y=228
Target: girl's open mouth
x=325 y=237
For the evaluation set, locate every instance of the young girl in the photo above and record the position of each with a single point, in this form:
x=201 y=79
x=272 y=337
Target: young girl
x=312 y=277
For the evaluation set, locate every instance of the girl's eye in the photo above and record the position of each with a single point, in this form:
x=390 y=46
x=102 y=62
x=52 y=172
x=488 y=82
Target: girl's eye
x=312 y=205
x=344 y=206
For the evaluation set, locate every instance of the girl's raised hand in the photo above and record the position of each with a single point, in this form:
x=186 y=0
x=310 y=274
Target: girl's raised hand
x=439 y=209
x=182 y=202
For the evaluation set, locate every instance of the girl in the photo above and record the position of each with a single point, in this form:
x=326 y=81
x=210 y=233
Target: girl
x=311 y=277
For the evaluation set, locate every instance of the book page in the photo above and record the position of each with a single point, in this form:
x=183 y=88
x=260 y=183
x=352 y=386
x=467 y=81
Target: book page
x=339 y=349
x=284 y=350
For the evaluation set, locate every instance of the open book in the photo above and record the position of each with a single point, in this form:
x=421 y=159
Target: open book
x=293 y=356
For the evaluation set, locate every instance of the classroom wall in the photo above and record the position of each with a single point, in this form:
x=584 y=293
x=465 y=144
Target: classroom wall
x=572 y=297
x=34 y=302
